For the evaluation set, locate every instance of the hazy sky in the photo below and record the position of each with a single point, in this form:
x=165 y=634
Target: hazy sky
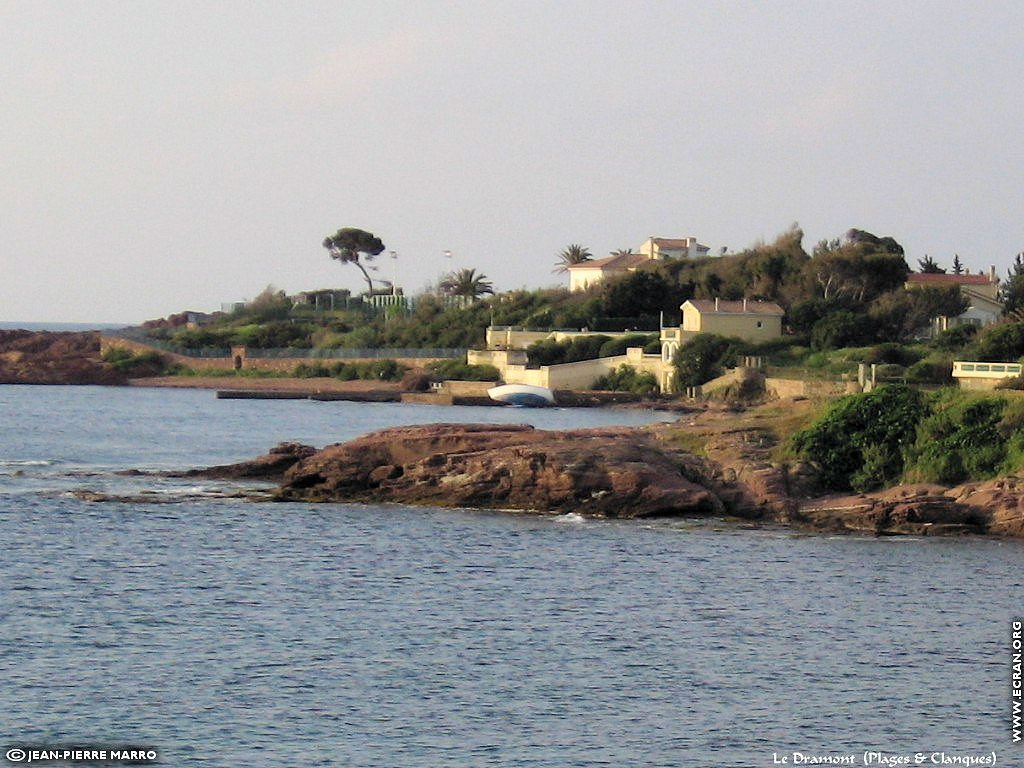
x=160 y=156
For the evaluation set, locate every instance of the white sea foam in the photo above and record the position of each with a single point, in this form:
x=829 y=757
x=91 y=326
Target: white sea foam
x=571 y=517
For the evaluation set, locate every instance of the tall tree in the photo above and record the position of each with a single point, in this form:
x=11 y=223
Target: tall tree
x=466 y=282
x=1013 y=289
x=929 y=266
x=572 y=254
x=350 y=245
x=958 y=268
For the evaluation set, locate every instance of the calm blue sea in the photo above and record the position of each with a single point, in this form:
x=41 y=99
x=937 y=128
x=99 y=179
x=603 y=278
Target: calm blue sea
x=233 y=633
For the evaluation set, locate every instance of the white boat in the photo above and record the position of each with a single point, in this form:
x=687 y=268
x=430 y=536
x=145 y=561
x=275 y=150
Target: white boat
x=525 y=395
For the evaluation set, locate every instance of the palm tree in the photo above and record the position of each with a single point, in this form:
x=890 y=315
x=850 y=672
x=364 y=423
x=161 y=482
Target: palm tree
x=466 y=282
x=572 y=254
x=623 y=252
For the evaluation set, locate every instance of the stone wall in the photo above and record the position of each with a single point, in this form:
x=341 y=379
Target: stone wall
x=782 y=388
x=582 y=374
x=239 y=359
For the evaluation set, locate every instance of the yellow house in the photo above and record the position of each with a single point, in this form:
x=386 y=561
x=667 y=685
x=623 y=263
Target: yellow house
x=747 y=320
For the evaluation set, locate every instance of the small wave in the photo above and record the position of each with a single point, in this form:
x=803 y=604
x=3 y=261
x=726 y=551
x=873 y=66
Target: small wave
x=28 y=462
x=571 y=517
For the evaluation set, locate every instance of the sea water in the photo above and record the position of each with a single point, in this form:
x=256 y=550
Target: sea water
x=225 y=632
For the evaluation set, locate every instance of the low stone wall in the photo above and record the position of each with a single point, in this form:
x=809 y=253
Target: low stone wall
x=782 y=388
x=239 y=359
x=467 y=388
x=213 y=363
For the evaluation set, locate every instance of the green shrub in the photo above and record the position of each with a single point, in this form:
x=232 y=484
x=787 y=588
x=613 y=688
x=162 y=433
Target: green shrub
x=893 y=354
x=841 y=329
x=960 y=440
x=551 y=352
x=703 y=358
x=203 y=338
x=859 y=441
x=307 y=371
x=377 y=370
x=280 y=334
x=457 y=370
x=931 y=371
x=626 y=378
x=955 y=338
x=998 y=344
x=139 y=364
x=618 y=346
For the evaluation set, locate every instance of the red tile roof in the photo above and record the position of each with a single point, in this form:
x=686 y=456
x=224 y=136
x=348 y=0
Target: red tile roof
x=737 y=307
x=919 y=278
x=623 y=261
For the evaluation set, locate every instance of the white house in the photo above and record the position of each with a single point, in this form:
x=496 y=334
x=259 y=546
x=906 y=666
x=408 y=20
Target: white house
x=587 y=273
x=981 y=291
x=672 y=248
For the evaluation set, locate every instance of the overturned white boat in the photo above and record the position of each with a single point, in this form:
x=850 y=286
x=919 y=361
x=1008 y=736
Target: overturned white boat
x=525 y=395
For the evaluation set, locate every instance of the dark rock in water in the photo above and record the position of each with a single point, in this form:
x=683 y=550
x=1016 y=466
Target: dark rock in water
x=271 y=466
x=594 y=472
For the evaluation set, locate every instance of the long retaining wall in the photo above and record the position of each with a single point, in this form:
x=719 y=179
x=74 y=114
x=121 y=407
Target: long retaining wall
x=240 y=358
x=799 y=388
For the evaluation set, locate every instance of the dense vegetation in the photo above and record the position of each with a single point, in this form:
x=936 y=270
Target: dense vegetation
x=845 y=302
x=626 y=378
x=865 y=442
x=847 y=292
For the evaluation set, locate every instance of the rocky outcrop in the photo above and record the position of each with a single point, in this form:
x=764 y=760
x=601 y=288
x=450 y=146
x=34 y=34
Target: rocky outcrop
x=620 y=473
x=598 y=472
x=31 y=357
x=271 y=466
x=994 y=507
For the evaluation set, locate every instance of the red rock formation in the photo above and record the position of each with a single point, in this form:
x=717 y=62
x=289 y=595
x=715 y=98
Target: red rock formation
x=30 y=357
x=623 y=472
x=270 y=466
x=599 y=472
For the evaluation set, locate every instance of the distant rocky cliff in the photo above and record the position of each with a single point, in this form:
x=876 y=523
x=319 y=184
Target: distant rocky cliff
x=47 y=357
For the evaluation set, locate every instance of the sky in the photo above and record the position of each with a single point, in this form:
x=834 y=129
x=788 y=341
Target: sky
x=163 y=156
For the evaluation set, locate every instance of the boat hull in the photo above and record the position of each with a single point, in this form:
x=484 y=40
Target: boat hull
x=523 y=395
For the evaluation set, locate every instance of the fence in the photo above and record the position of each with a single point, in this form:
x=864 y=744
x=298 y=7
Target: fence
x=348 y=354
x=138 y=337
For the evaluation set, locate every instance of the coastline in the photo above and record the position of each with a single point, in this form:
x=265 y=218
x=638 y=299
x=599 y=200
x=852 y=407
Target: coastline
x=271 y=384
x=616 y=473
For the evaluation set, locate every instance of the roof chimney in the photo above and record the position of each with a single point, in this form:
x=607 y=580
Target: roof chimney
x=716 y=303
